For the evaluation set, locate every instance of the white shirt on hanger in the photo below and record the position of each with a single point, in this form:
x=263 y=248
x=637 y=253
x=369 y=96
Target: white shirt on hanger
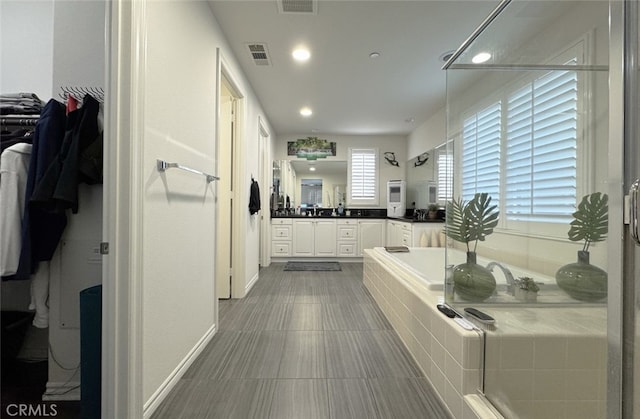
x=14 y=168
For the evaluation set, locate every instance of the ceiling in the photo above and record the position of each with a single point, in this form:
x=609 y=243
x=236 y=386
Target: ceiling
x=349 y=92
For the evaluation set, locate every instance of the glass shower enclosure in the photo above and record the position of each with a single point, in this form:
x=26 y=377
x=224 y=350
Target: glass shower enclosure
x=528 y=102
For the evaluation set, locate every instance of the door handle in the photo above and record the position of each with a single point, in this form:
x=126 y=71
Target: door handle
x=634 y=201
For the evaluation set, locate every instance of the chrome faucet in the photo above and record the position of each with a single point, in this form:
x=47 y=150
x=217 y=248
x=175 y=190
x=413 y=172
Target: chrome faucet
x=511 y=282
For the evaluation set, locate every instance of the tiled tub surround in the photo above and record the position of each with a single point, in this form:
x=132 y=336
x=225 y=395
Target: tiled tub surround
x=547 y=362
x=448 y=355
x=541 y=362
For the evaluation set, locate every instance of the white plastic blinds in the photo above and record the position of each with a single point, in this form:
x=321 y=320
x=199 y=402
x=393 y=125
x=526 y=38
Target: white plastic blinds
x=541 y=162
x=445 y=174
x=363 y=174
x=481 y=153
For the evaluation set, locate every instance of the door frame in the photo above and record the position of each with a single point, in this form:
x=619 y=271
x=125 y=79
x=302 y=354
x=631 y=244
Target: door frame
x=223 y=72
x=265 y=175
x=123 y=194
x=622 y=251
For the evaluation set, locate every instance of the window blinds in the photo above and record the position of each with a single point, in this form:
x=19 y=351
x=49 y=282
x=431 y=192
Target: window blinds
x=541 y=162
x=363 y=174
x=481 y=153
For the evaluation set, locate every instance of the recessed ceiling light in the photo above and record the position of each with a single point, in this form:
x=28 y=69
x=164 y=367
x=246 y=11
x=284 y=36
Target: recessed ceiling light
x=481 y=58
x=410 y=120
x=301 y=54
x=444 y=57
x=306 y=111
x=374 y=55
x=312 y=169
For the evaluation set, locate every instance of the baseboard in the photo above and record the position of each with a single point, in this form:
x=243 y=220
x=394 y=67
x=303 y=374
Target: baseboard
x=161 y=393
x=251 y=283
x=67 y=391
x=477 y=406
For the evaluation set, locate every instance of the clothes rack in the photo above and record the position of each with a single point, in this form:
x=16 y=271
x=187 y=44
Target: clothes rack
x=80 y=92
x=19 y=120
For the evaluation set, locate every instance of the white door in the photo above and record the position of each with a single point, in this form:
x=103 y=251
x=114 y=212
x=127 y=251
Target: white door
x=224 y=242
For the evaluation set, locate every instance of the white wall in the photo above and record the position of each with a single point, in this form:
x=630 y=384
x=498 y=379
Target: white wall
x=428 y=135
x=26 y=53
x=396 y=144
x=178 y=269
x=179 y=207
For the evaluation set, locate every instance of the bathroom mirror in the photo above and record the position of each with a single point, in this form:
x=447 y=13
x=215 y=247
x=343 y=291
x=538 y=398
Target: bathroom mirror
x=422 y=180
x=331 y=174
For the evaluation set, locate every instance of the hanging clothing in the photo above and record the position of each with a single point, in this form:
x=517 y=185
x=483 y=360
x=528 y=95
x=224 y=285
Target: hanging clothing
x=14 y=168
x=254 y=198
x=58 y=188
x=9 y=138
x=36 y=223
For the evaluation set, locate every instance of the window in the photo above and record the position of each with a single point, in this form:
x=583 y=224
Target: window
x=445 y=173
x=481 y=153
x=522 y=149
x=310 y=192
x=541 y=155
x=363 y=176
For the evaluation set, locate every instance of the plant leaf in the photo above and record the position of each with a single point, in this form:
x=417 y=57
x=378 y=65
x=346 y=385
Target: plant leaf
x=457 y=227
x=591 y=219
x=483 y=217
x=471 y=221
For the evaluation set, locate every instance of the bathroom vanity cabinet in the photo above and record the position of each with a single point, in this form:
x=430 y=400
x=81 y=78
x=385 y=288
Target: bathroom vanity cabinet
x=314 y=237
x=347 y=237
x=325 y=237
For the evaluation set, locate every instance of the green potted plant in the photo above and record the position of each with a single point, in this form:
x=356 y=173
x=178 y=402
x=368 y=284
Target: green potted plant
x=526 y=290
x=471 y=222
x=582 y=280
x=432 y=211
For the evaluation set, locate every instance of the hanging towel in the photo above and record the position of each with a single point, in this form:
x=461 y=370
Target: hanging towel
x=254 y=198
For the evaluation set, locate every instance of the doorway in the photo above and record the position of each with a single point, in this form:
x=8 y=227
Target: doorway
x=226 y=154
x=264 y=161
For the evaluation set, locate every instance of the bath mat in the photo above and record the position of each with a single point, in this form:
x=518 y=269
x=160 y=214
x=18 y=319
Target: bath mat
x=312 y=266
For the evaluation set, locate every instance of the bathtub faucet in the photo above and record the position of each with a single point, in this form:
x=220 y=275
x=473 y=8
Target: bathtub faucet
x=511 y=282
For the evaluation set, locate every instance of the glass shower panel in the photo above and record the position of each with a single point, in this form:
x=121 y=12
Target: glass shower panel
x=527 y=116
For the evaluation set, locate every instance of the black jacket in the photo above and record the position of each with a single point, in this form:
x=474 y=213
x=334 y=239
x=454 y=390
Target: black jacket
x=254 y=198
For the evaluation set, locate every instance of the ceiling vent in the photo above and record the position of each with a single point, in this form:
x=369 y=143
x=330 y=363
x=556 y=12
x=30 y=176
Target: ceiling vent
x=298 y=6
x=259 y=54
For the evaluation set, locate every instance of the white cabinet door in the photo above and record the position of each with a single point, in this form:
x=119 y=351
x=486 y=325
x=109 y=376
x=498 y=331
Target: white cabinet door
x=394 y=233
x=325 y=238
x=371 y=233
x=303 y=237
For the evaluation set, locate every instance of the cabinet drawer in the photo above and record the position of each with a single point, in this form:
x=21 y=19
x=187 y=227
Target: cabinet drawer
x=281 y=249
x=282 y=232
x=406 y=226
x=346 y=249
x=347 y=232
x=348 y=222
x=280 y=221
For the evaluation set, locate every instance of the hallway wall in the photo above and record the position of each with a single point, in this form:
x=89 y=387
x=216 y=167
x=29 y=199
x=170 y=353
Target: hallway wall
x=178 y=211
